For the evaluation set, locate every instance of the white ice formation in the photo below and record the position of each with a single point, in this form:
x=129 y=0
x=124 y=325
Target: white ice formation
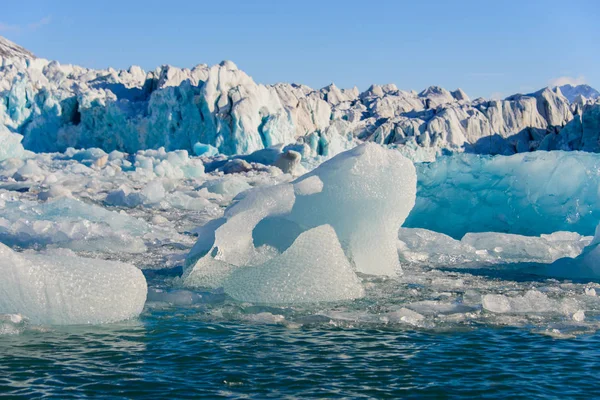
x=356 y=202
x=63 y=289
x=220 y=108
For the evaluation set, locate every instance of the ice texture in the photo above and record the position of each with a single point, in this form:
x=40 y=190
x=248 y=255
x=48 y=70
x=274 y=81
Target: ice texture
x=10 y=144
x=527 y=194
x=62 y=289
x=374 y=185
x=70 y=223
x=312 y=269
x=58 y=106
x=367 y=194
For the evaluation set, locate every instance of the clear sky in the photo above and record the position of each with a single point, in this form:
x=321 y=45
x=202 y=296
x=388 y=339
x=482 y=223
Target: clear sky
x=488 y=48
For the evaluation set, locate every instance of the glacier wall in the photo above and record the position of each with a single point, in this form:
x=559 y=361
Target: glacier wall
x=59 y=106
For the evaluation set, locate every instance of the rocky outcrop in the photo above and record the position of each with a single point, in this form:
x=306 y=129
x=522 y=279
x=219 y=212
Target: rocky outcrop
x=9 y=49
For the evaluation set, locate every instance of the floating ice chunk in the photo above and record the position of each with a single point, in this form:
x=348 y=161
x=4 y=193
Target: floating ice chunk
x=206 y=150
x=124 y=196
x=229 y=186
x=518 y=248
x=313 y=269
x=29 y=172
x=10 y=144
x=404 y=316
x=153 y=193
x=63 y=289
x=532 y=301
x=584 y=266
x=53 y=192
x=418 y=246
x=367 y=193
x=356 y=190
x=183 y=201
x=422 y=246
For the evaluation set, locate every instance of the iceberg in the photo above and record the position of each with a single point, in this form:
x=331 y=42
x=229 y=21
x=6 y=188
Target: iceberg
x=10 y=144
x=62 y=289
x=527 y=194
x=373 y=185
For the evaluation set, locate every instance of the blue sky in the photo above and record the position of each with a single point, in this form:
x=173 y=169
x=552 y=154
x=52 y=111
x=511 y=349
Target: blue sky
x=487 y=48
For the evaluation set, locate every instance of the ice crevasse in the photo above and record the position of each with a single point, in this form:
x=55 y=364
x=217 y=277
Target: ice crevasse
x=323 y=228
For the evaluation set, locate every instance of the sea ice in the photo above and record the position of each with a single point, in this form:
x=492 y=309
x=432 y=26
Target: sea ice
x=63 y=289
x=364 y=194
x=70 y=223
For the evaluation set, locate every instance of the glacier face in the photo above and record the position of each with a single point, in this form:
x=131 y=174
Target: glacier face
x=59 y=106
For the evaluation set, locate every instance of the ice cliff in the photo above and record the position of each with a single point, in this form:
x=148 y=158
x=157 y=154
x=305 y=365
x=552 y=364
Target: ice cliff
x=58 y=106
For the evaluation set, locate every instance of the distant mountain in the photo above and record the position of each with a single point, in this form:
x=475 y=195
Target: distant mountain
x=9 y=49
x=571 y=92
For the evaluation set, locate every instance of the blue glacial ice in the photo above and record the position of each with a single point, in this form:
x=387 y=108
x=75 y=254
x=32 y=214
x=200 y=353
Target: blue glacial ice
x=526 y=194
x=220 y=108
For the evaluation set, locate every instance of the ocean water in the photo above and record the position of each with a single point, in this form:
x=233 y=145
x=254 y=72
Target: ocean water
x=202 y=344
x=177 y=355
